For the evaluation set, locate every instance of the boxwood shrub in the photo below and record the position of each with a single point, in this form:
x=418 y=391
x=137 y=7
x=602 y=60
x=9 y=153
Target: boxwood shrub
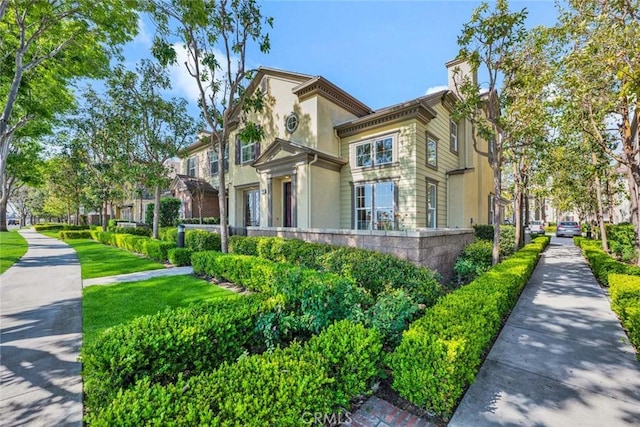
x=371 y=270
x=440 y=353
x=625 y=301
x=161 y=347
x=58 y=227
x=180 y=256
x=154 y=249
x=602 y=264
x=284 y=387
x=74 y=234
x=157 y=249
x=201 y=240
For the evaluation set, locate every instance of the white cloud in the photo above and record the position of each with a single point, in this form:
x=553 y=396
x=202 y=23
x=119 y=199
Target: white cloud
x=435 y=89
x=143 y=37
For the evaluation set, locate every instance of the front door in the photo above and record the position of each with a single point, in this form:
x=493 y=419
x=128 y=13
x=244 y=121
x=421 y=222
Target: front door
x=287 y=204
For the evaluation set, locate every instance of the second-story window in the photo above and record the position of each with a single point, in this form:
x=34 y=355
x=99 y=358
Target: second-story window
x=215 y=164
x=432 y=151
x=246 y=151
x=191 y=166
x=453 y=126
x=374 y=152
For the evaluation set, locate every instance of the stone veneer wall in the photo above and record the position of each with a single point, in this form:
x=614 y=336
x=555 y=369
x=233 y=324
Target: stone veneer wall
x=436 y=249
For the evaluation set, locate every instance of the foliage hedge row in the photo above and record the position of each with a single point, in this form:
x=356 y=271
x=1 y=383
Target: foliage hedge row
x=284 y=387
x=621 y=239
x=136 y=231
x=163 y=346
x=371 y=270
x=58 y=227
x=601 y=263
x=625 y=301
x=304 y=301
x=169 y=212
x=154 y=249
x=206 y=220
x=180 y=256
x=440 y=354
x=74 y=234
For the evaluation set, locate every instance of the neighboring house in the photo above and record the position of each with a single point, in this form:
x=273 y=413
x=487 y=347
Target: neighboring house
x=199 y=198
x=328 y=161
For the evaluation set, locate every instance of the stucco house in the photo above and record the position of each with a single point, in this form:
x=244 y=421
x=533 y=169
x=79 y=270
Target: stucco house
x=329 y=161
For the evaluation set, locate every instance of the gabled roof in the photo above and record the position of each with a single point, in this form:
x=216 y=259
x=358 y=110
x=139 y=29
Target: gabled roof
x=420 y=108
x=321 y=86
x=297 y=153
x=192 y=184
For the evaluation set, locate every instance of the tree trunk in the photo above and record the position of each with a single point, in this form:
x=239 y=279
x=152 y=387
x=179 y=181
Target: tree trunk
x=4 y=199
x=497 y=188
x=105 y=220
x=156 y=212
x=517 y=199
x=222 y=202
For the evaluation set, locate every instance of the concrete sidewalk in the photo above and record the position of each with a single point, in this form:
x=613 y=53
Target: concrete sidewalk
x=41 y=334
x=562 y=358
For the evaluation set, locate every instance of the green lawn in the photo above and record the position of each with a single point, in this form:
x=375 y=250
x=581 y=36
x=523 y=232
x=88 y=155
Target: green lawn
x=108 y=305
x=98 y=260
x=12 y=247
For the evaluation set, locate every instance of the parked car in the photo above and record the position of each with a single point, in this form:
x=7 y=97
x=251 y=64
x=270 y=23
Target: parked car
x=13 y=221
x=536 y=227
x=568 y=228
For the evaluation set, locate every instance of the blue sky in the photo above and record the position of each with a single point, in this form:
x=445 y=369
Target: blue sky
x=381 y=52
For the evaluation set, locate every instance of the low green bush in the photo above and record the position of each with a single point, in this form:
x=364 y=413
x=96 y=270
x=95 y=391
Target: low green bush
x=157 y=249
x=475 y=259
x=392 y=313
x=440 y=353
x=371 y=270
x=285 y=387
x=483 y=231
x=625 y=301
x=58 y=227
x=161 y=347
x=169 y=234
x=136 y=231
x=74 y=234
x=602 y=264
x=201 y=240
x=621 y=239
x=180 y=256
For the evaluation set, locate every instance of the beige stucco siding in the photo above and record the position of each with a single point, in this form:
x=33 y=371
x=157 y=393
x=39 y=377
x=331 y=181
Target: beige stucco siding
x=324 y=196
x=402 y=171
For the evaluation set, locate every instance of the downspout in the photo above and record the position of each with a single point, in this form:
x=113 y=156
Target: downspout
x=448 y=203
x=315 y=159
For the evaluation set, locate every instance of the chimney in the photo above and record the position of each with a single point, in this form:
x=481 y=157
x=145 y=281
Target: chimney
x=458 y=71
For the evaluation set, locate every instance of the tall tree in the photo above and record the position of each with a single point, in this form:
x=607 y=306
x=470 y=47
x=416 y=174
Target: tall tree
x=44 y=45
x=217 y=36
x=600 y=73
x=488 y=43
x=160 y=128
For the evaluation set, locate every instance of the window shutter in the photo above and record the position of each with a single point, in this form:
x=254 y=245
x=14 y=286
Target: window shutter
x=238 y=148
x=256 y=151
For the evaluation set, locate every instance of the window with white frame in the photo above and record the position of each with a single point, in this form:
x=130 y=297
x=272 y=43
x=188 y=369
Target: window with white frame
x=252 y=208
x=215 y=164
x=432 y=151
x=453 y=141
x=375 y=206
x=191 y=166
x=432 y=204
x=375 y=152
x=247 y=151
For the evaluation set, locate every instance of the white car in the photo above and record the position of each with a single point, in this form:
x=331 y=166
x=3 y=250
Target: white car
x=536 y=227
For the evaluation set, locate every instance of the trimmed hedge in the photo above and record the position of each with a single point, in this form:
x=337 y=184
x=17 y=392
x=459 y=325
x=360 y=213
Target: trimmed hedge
x=157 y=250
x=201 y=240
x=74 y=234
x=180 y=256
x=621 y=239
x=601 y=263
x=205 y=220
x=441 y=352
x=371 y=270
x=625 y=301
x=136 y=231
x=161 y=347
x=284 y=387
x=58 y=227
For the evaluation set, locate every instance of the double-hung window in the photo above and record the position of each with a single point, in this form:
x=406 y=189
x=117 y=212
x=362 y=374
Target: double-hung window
x=432 y=151
x=375 y=206
x=453 y=140
x=247 y=151
x=191 y=166
x=214 y=160
x=432 y=204
x=374 y=153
